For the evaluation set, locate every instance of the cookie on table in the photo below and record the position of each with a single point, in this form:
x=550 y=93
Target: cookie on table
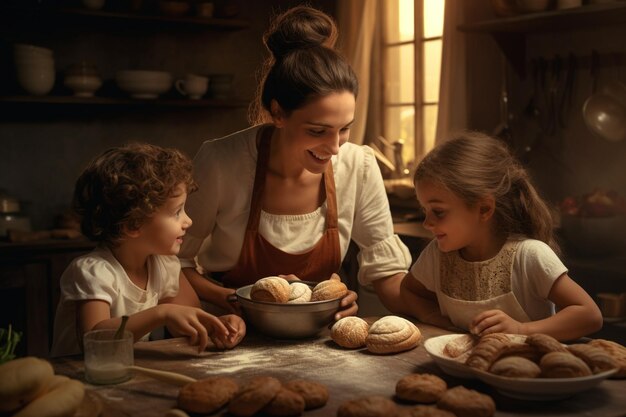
x=424 y=411
x=595 y=357
x=421 y=388
x=392 y=334
x=207 y=395
x=271 y=289
x=466 y=402
x=563 y=365
x=253 y=395
x=285 y=403
x=515 y=367
x=350 y=332
x=371 y=406
x=315 y=395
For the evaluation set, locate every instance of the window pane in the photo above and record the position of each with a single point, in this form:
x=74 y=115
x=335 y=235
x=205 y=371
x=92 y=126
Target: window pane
x=400 y=16
x=432 y=70
x=430 y=126
x=400 y=125
x=433 y=18
x=400 y=75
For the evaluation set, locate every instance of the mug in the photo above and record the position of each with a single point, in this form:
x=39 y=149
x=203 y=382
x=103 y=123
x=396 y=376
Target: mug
x=192 y=86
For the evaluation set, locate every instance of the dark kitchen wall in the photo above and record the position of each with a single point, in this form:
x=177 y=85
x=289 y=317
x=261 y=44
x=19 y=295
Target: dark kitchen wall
x=569 y=160
x=45 y=147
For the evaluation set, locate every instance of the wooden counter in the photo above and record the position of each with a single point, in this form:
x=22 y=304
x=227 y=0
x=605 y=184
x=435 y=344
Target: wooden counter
x=347 y=373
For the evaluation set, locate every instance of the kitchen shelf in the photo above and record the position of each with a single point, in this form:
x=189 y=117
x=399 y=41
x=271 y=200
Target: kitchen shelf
x=110 y=101
x=55 y=16
x=510 y=32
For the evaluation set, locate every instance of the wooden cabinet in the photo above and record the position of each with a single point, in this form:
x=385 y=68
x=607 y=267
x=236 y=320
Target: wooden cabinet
x=29 y=289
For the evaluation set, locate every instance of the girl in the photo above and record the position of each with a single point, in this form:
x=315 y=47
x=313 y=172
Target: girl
x=132 y=201
x=493 y=265
x=287 y=195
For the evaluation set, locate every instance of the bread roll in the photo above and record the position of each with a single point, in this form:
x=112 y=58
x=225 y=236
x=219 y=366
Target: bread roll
x=597 y=359
x=563 y=365
x=350 y=332
x=329 y=290
x=515 y=367
x=392 y=334
x=271 y=289
x=300 y=293
x=459 y=345
x=22 y=380
x=63 y=400
x=617 y=352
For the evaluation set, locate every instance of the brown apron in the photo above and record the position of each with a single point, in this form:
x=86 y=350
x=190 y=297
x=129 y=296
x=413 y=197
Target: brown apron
x=260 y=259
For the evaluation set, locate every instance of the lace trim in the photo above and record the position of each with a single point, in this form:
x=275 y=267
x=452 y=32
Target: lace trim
x=475 y=281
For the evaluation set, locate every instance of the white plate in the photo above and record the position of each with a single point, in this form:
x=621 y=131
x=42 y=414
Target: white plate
x=536 y=389
x=542 y=389
x=434 y=346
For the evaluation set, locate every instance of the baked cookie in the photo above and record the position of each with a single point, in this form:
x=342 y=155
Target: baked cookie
x=424 y=411
x=271 y=289
x=545 y=343
x=515 y=367
x=285 y=403
x=254 y=395
x=329 y=289
x=467 y=403
x=392 y=334
x=371 y=406
x=300 y=293
x=421 y=388
x=617 y=352
x=460 y=345
x=315 y=394
x=562 y=365
x=350 y=332
x=207 y=395
x=597 y=359
x=487 y=351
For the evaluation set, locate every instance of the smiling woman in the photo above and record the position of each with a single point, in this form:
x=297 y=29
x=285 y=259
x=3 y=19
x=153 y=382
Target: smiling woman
x=301 y=191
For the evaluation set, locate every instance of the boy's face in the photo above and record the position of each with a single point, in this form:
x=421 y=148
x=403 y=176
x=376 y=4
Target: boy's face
x=164 y=232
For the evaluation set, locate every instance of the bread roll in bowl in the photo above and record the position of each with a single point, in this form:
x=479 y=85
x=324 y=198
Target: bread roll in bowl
x=22 y=380
x=271 y=289
x=350 y=332
x=392 y=334
x=329 y=289
x=300 y=293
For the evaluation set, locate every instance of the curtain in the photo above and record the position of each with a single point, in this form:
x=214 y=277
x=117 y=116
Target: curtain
x=358 y=41
x=452 y=114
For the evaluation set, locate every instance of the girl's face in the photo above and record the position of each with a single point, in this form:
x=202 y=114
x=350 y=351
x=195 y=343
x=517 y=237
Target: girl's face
x=164 y=232
x=455 y=225
x=312 y=134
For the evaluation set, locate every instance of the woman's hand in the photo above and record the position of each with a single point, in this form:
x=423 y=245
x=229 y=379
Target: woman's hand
x=194 y=323
x=222 y=298
x=290 y=277
x=348 y=306
x=494 y=321
x=236 y=331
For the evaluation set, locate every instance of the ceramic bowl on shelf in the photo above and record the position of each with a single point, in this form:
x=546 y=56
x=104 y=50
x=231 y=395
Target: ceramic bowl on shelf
x=144 y=84
x=83 y=85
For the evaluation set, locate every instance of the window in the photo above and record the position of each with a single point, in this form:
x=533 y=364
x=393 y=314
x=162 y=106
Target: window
x=412 y=73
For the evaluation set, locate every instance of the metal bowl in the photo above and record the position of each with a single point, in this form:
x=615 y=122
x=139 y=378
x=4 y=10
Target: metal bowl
x=287 y=321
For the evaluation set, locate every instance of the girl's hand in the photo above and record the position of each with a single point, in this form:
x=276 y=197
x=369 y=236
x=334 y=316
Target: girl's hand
x=494 y=321
x=194 y=323
x=348 y=306
x=236 y=331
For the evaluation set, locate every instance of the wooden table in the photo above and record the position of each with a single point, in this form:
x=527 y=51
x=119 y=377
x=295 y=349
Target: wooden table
x=347 y=373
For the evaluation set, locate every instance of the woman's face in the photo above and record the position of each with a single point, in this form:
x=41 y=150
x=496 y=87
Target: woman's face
x=314 y=133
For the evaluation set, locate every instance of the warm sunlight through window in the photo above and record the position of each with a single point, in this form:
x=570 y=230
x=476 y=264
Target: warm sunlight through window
x=412 y=50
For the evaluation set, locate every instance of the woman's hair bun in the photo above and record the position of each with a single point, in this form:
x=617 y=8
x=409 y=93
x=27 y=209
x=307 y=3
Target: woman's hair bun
x=301 y=27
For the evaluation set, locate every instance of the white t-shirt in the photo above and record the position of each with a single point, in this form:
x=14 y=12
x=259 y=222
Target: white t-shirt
x=535 y=268
x=225 y=169
x=99 y=276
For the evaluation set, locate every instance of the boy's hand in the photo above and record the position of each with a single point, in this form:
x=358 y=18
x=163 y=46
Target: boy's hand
x=494 y=321
x=236 y=331
x=194 y=323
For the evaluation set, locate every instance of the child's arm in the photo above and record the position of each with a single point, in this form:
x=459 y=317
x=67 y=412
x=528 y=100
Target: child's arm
x=577 y=315
x=180 y=320
x=406 y=295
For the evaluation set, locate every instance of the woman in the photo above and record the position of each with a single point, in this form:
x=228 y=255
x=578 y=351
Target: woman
x=287 y=195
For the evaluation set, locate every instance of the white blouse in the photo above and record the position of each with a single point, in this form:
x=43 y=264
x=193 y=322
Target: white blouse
x=225 y=168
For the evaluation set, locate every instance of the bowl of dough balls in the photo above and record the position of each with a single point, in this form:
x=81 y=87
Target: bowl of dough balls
x=291 y=309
